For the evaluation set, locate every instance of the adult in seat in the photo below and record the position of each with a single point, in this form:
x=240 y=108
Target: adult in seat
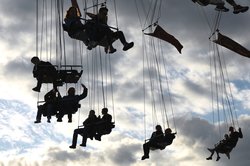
x=104 y=124
x=69 y=104
x=156 y=137
x=87 y=131
x=43 y=70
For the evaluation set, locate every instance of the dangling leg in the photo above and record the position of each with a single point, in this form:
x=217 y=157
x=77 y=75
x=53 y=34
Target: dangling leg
x=237 y=8
x=69 y=117
x=74 y=139
x=40 y=110
x=84 y=138
x=146 y=149
x=126 y=45
x=212 y=153
x=38 y=85
x=218 y=157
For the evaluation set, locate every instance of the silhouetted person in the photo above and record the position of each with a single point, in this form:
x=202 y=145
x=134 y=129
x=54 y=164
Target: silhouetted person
x=168 y=138
x=43 y=70
x=227 y=144
x=104 y=124
x=74 y=26
x=234 y=136
x=69 y=104
x=98 y=29
x=221 y=147
x=87 y=131
x=156 y=137
x=220 y=5
x=50 y=106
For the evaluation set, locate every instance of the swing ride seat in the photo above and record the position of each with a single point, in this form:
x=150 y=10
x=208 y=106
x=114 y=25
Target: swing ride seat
x=41 y=105
x=162 y=146
x=69 y=76
x=63 y=76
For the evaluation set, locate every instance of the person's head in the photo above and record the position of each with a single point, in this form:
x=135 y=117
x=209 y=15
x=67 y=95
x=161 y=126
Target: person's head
x=71 y=91
x=103 y=11
x=91 y=112
x=35 y=60
x=168 y=131
x=158 y=128
x=72 y=12
x=104 y=110
x=231 y=129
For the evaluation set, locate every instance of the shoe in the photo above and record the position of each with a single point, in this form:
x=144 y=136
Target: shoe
x=112 y=51
x=209 y=158
x=128 y=46
x=238 y=9
x=98 y=137
x=72 y=147
x=144 y=157
x=221 y=9
x=37 y=121
x=218 y=158
x=59 y=120
x=48 y=120
x=70 y=121
x=83 y=145
x=36 y=89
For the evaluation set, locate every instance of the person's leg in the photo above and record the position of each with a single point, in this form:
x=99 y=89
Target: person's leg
x=74 y=140
x=231 y=2
x=69 y=117
x=217 y=2
x=39 y=113
x=237 y=8
x=60 y=115
x=126 y=45
x=50 y=109
x=39 y=83
x=212 y=153
x=84 y=138
x=146 y=148
x=218 y=157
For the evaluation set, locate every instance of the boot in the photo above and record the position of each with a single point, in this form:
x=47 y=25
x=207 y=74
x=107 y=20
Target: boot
x=239 y=8
x=128 y=46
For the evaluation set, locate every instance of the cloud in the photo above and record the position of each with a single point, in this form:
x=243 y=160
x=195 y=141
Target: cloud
x=188 y=76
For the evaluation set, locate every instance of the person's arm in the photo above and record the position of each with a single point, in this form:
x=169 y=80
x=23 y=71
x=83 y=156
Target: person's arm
x=240 y=133
x=75 y=4
x=84 y=93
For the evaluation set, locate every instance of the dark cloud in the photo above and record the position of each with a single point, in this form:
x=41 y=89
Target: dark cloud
x=125 y=154
x=18 y=67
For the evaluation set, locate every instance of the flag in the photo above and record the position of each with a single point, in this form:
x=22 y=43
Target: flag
x=232 y=45
x=160 y=33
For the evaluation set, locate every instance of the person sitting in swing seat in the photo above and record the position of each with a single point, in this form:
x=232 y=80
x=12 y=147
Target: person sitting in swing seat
x=50 y=106
x=168 y=138
x=223 y=145
x=69 y=104
x=227 y=144
x=43 y=70
x=156 y=137
x=73 y=25
x=104 y=125
x=220 y=5
x=87 y=132
x=98 y=29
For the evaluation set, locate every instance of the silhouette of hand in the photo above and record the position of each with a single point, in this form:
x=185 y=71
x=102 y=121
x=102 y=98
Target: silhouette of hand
x=83 y=86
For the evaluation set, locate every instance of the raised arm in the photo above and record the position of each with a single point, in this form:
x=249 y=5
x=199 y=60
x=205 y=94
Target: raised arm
x=75 y=4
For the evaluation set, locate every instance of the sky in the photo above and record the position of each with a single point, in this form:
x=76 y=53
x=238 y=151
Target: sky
x=27 y=144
